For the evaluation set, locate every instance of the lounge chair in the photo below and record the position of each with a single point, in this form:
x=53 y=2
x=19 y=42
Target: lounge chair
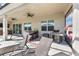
x=21 y=48
x=42 y=49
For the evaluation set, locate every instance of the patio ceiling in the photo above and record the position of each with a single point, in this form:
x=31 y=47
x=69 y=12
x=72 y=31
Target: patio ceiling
x=39 y=9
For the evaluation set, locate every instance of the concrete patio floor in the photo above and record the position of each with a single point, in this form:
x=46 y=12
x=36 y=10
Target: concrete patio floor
x=56 y=49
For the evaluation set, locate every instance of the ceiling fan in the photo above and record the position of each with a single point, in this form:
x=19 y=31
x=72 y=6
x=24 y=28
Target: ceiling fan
x=30 y=14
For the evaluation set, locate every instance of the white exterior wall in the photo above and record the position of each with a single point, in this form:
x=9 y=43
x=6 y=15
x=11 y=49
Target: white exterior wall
x=75 y=21
x=58 y=17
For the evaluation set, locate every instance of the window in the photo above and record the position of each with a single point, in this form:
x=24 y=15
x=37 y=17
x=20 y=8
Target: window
x=1 y=25
x=47 y=25
x=27 y=26
x=44 y=25
x=69 y=20
x=50 y=25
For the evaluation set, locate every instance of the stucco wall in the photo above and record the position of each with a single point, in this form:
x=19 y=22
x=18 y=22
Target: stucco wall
x=41 y=12
x=36 y=21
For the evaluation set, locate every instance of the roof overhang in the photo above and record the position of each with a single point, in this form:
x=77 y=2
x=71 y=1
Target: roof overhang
x=3 y=5
x=20 y=9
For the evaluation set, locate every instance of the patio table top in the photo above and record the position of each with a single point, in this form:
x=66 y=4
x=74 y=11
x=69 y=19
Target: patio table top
x=5 y=44
x=61 y=47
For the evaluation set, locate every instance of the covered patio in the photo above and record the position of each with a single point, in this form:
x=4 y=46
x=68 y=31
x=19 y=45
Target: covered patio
x=38 y=20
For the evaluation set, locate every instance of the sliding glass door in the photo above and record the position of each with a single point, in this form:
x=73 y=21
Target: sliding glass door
x=17 y=29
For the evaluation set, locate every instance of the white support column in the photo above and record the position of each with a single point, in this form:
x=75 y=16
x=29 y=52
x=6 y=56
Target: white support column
x=75 y=20
x=22 y=29
x=4 y=27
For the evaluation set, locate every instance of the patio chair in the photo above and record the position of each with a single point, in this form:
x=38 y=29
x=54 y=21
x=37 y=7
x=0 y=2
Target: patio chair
x=62 y=48
x=42 y=49
x=75 y=46
x=22 y=48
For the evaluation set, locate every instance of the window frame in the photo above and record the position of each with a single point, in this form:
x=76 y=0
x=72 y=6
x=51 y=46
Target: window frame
x=47 y=25
x=28 y=25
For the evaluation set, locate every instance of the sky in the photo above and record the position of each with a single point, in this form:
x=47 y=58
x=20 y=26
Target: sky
x=69 y=20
